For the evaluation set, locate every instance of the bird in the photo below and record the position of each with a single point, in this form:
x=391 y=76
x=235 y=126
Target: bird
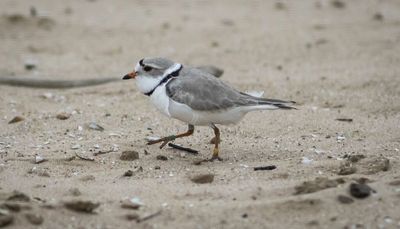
x=195 y=97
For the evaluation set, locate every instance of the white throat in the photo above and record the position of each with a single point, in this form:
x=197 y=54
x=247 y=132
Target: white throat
x=146 y=84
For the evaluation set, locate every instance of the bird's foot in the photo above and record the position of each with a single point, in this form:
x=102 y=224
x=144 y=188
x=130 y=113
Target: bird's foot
x=215 y=156
x=214 y=141
x=163 y=140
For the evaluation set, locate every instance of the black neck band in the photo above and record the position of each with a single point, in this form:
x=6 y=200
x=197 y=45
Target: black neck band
x=165 y=79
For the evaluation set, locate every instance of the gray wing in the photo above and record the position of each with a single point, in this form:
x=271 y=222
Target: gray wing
x=203 y=92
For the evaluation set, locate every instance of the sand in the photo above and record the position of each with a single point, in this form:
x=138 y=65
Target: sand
x=336 y=60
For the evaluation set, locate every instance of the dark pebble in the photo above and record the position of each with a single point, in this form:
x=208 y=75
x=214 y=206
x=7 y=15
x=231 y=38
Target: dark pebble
x=128 y=173
x=129 y=155
x=360 y=190
x=161 y=158
x=81 y=206
x=203 y=178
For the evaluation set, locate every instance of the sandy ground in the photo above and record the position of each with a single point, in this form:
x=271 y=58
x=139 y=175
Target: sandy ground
x=335 y=60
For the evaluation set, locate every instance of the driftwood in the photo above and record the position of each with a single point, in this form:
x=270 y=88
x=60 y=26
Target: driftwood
x=53 y=84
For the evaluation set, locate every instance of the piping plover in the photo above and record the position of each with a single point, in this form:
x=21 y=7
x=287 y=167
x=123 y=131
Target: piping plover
x=195 y=97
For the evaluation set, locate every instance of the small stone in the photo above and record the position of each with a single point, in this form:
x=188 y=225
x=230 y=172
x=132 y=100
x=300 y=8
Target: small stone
x=16 y=119
x=81 y=206
x=360 y=190
x=129 y=155
x=129 y=204
x=39 y=159
x=6 y=220
x=378 y=17
x=87 y=178
x=128 y=173
x=74 y=192
x=18 y=196
x=338 y=4
x=34 y=219
x=95 y=126
x=76 y=146
x=162 y=158
x=63 y=116
x=132 y=216
x=345 y=199
x=203 y=178
x=157 y=167
x=30 y=65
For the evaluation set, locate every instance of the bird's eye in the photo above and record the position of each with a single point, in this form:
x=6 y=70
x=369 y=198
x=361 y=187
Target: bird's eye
x=147 y=68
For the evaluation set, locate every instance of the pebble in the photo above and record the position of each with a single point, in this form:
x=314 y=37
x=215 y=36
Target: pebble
x=18 y=196
x=6 y=220
x=129 y=155
x=16 y=119
x=306 y=160
x=95 y=126
x=63 y=116
x=30 y=65
x=133 y=203
x=360 y=190
x=132 y=216
x=202 y=178
x=87 y=178
x=34 y=219
x=76 y=146
x=162 y=158
x=128 y=173
x=81 y=206
x=345 y=199
x=39 y=159
x=75 y=192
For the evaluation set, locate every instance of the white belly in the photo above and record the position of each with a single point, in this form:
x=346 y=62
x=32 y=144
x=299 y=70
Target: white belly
x=204 y=118
x=185 y=114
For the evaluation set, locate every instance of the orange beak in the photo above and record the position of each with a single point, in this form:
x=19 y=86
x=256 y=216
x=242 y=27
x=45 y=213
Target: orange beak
x=128 y=76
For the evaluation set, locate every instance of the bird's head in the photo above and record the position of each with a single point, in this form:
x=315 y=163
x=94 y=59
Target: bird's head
x=149 y=72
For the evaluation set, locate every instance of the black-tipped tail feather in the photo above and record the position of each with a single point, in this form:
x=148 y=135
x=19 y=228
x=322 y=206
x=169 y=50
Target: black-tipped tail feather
x=281 y=104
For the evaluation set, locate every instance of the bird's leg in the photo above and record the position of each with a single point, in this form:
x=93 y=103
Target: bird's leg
x=216 y=144
x=167 y=139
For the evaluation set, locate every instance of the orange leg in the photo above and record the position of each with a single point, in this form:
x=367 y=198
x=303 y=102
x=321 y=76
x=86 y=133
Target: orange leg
x=216 y=144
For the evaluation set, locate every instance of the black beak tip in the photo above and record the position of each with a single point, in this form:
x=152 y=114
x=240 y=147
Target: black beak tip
x=126 y=77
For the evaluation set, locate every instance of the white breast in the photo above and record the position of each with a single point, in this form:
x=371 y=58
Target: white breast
x=160 y=100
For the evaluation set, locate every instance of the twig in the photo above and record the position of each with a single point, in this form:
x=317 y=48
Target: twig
x=49 y=83
x=102 y=152
x=189 y=150
x=268 y=167
x=344 y=119
x=149 y=216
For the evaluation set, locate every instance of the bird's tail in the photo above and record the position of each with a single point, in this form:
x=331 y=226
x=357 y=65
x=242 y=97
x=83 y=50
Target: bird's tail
x=259 y=103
